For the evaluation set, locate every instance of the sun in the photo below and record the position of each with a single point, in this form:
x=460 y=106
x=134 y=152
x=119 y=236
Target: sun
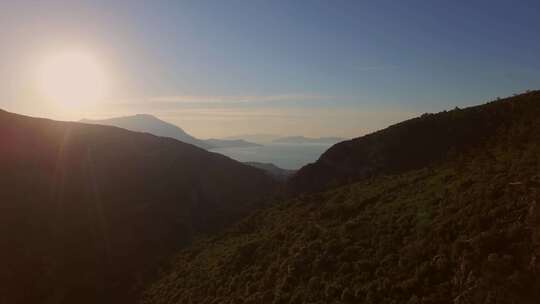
x=72 y=78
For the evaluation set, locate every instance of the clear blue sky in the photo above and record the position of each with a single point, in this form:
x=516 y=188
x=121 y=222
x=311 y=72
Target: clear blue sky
x=335 y=67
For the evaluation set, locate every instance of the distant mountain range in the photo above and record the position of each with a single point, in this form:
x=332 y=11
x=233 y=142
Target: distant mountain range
x=153 y=125
x=256 y=138
x=230 y=143
x=273 y=138
x=275 y=171
x=88 y=212
x=307 y=140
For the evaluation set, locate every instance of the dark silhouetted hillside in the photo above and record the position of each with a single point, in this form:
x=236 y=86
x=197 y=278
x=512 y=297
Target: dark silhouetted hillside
x=87 y=212
x=412 y=144
x=275 y=171
x=458 y=227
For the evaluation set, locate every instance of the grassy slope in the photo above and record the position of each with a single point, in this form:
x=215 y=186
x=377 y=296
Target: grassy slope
x=464 y=230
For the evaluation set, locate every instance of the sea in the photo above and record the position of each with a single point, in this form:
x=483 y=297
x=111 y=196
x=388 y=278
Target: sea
x=286 y=156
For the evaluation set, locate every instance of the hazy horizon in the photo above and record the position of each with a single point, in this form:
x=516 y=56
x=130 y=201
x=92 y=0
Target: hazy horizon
x=219 y=69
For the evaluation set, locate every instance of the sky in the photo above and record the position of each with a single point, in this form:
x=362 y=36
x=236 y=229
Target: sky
x=315 y=68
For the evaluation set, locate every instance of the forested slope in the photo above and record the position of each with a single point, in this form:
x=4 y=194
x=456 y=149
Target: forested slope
x=464 y=229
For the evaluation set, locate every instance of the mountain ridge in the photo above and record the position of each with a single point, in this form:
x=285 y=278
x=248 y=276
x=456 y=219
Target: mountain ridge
x=409 y=144
x=275 y=171
x=230 y=143
x=259 y=138
x=456 y=230
x=150 y=124
x=89 y=211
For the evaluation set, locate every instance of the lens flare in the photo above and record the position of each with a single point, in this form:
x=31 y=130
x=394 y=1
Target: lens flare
x=72 y=79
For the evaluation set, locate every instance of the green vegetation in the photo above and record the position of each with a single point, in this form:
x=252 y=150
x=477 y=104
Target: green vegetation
x=458 y=229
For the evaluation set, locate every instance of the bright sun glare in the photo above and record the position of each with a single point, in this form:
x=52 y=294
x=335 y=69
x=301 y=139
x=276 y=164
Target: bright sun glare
x=72 y=78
